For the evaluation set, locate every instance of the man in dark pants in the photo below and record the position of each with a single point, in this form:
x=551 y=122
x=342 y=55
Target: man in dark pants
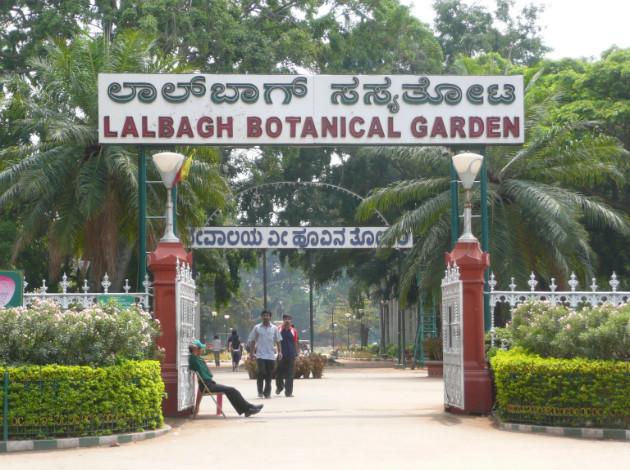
x=286 y=366
x=262 y=339
x=196 y=363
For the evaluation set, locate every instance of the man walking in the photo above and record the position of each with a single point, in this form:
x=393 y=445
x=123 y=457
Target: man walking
x=286 y=367
x=262 y=339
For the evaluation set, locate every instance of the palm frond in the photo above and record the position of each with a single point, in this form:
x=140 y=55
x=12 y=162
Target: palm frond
x=400 y=194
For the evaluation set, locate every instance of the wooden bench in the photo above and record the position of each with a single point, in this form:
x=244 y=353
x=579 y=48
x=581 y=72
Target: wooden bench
x=202 y=389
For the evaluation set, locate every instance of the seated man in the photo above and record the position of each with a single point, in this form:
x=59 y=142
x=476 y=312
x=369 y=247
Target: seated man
x=196 y=363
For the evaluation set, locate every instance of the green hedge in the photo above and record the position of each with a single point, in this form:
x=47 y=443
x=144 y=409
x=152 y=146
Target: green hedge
x=561 y=392
x=62 y=401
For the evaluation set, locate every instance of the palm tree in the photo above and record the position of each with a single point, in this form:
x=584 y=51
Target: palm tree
x=80 y=195
x=539 y=217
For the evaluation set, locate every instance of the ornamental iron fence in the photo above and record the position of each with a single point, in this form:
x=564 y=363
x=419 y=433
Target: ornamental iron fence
x=87 y=299
x=573 y=298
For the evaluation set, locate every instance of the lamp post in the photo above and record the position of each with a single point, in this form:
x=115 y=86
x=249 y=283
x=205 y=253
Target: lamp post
x=82 y=267
x=348 y=315
x=227 y=331
x=465 y=352
x=332 y=325
x=214 y=324
x=361 y=317
x=168 y=164
x=163 y=263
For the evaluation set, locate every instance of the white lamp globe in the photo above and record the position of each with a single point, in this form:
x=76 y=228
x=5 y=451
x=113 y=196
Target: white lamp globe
x=168 y=164
x=467 y=166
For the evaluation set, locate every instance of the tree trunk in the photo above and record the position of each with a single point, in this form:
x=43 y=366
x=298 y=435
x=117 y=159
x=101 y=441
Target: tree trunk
x=125 y=251
x=365 y=331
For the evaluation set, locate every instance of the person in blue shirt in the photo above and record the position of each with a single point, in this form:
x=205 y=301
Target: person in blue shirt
x=286 y=365
x=196 y=363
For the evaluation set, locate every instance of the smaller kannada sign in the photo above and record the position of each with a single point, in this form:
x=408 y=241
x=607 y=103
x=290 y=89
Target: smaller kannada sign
x=11 y=289
x=293 y=237
x=123 y=301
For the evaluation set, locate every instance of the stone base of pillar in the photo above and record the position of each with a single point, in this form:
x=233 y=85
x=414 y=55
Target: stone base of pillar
x=477 y=394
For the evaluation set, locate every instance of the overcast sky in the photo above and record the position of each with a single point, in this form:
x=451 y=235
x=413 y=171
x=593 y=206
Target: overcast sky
x=572 y=28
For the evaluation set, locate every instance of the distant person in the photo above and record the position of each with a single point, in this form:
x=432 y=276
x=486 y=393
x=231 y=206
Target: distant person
x=262 y=339
x=216 y=349
x=235 y=347
x=196 y=363
x=286 y=365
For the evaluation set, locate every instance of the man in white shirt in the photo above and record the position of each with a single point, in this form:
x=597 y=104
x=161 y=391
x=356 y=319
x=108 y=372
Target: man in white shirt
x=263 y=338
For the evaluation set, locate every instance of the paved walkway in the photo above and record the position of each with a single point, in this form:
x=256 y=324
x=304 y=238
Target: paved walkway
x=352 y=419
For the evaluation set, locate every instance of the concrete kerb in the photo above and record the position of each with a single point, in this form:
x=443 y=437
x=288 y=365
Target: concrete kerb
x=89 y=441
x=582 y=433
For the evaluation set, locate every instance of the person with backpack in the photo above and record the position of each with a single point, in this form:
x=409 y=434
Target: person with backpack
x=236 y=348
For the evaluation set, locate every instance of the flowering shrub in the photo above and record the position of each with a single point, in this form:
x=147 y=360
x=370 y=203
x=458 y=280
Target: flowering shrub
x=100 y=335
x=602 y=332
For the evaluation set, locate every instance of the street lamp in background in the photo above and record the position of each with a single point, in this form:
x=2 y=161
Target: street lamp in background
x=332 y=325
x=227 y=331
x=467 y=166
x=348 y=315
x=168 y=164
x=213 y=324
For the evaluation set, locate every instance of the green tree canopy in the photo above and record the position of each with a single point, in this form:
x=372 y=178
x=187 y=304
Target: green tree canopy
x=472 y=30
x=82 y=195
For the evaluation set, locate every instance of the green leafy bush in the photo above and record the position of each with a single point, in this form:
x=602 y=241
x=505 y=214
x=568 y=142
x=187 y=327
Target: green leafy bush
x=561 y=392
x=433 y=349
x=57 y=401
x=100 y=335
x=602 y=332
x=502 y=340
x=392 y=350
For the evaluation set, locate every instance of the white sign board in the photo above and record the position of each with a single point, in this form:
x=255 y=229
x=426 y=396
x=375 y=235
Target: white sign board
x=293 y=237
x=310 y=109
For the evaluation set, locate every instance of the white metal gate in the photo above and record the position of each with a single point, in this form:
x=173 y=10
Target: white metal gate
x=186 y=333
x=452 y=337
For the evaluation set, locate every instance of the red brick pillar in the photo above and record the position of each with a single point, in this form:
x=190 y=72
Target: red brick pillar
x=163 y=263
x=472 y=263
